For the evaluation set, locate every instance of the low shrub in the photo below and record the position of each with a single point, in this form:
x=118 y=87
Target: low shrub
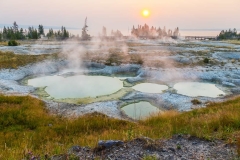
x=12 y=43
x=206 y=60
x=136 y=59
x=114 y=58
x=196 y=101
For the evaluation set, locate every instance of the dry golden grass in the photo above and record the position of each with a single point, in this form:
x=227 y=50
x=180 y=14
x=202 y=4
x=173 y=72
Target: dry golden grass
x=131 y=44
x=2 y=43
x=9 y=60
x=236 y=42
x=25 y=125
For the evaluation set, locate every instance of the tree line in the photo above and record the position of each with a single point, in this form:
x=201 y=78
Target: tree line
x=14 y=33
x=228 y=34
x=60 y=34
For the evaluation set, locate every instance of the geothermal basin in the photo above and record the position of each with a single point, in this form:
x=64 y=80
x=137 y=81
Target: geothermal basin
x=79 y=86
x=140 y=110
x=195 y=89
x=172 y=75
x=150 y=88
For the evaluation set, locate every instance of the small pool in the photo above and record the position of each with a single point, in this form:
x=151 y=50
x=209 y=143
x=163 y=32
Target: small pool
x=195 y=89
x=150 y=88
x=140 y=110
x=79 y=86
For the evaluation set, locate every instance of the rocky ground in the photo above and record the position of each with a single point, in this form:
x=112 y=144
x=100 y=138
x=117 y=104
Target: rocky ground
x=109 y=108
x=177 y=148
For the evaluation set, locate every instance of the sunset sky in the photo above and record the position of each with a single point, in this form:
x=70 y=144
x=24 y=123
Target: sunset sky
x=119 y=14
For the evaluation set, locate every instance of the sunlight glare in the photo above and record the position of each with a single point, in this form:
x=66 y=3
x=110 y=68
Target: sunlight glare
x=145 y=13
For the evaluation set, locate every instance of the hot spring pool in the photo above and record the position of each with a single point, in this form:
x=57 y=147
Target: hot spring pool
x=150 y=88
x=195 y=89
x=79 y=86
x=140 y=110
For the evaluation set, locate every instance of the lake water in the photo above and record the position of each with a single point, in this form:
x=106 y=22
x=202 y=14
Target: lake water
x=140 y=110
x=195 y=89
x=150 y=88
x=79 y=86
x=199 y=32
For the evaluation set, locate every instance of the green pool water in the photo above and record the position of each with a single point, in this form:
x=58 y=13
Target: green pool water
x=79 y=86
x=140 y=110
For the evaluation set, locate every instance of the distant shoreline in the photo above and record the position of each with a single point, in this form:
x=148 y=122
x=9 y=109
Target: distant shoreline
x=77 y=31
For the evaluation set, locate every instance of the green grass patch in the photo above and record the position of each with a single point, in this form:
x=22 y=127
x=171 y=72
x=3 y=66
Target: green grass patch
x=26 y=125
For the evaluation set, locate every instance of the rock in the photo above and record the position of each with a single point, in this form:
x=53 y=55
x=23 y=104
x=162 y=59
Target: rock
x=182 y=59
x=235 y=90
x=228 y=84
x=94 y=65
x=74 y=149
x=171 y=149
x=236 y=81
x=109 y=143
x=194 y=143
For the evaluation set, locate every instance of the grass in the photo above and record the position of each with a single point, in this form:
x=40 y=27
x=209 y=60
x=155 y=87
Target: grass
x=115 y=56
x=236 y=42
x=9 y=60
x=192 y=45
x=26 y=126
x=132 y=44
x=149 y=158
x=3 y=43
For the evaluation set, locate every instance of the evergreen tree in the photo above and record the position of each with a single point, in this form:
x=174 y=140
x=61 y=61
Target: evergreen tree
x=1 y=36
x=230 y=34
x=12 y=33
x=32 y=33
x=21 y=34
x=29 y=32
x=41 y=30
x=15 y=26
x=60 y=34
x=50 y=33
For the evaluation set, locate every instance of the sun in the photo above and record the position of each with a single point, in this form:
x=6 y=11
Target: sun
x=145 y=13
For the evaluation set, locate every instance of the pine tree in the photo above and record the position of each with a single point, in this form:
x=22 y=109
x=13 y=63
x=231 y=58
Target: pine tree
x=1 y=36
x=21 y=34
x=15 y=26
x=41 y=30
